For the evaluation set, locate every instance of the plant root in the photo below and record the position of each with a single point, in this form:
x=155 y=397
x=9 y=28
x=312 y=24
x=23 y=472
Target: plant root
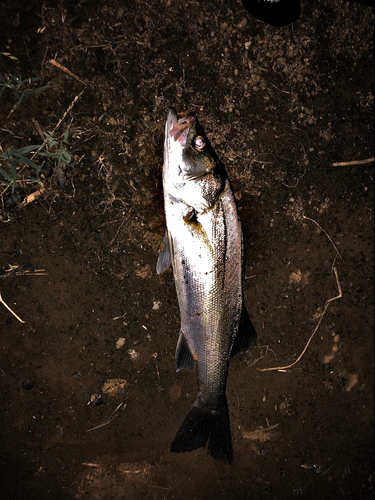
x=285 y=368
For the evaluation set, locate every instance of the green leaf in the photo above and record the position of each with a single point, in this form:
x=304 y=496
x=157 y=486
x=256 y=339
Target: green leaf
x=50 y=139
x=25 y=161
x=2 y=90
x=16 y=154
x=5 y=175
x=66 y=158
x=66 y=134
x=40 y=89
x=18 y=102
x=26 y=149
x=48 y=154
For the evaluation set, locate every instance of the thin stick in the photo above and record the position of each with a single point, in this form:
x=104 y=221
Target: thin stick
x=37 y=126
x=10 y=310
x=36 y=272
x=254 y=434
x=107 y=421
x=66 y=112
x=325 y=232
x=355 y=162
x=63 y=68
x=284 y=368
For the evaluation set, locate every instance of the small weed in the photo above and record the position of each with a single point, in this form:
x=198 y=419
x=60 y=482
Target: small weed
x=52 y=148
x=17 y=157
x=61 y=155
x=19 y=87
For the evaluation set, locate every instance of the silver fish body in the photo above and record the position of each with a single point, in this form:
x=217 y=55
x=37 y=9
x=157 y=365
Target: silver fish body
x=204 y=244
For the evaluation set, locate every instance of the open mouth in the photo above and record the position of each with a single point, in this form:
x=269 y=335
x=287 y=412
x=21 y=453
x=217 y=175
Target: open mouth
x=178 y=129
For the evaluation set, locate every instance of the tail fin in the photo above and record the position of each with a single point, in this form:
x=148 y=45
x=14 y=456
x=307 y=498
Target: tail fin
x=204 y=424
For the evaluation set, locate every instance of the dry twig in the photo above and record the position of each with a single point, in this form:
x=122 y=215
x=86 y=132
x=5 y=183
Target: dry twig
x=258 y=432
x=31 y=197
x=23 y=272
x=38 y=129
x=63 y=68
x=354 y=162
x=109 y=420
x=284 y=368
x=10 y=310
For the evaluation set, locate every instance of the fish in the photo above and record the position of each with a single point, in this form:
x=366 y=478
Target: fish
x=204 y=244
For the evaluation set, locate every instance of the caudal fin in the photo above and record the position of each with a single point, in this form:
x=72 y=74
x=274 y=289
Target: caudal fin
x=202 y=425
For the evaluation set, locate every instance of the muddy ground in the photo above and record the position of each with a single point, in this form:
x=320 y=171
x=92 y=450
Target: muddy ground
x=281 y=106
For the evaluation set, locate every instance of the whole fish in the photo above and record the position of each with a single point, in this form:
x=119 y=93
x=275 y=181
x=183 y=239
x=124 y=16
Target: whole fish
x=204 y=244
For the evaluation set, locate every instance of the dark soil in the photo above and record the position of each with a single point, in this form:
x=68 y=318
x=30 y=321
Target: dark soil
x=281 y=105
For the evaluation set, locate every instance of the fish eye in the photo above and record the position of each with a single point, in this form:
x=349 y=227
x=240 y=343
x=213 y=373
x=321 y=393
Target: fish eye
x=199 y=143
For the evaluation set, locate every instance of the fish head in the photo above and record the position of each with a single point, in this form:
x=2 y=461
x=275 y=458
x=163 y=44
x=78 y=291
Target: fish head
x=187 y=151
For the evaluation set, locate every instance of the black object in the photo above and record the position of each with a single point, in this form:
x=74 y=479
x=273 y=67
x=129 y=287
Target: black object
x=60 y=176
x=274 y=12
x=28 y=267
x=28 y=385
x=12 y=200
x=282 y=12
x=47 y=169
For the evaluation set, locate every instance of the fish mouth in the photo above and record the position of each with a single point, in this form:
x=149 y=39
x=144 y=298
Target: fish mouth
x=178 y=129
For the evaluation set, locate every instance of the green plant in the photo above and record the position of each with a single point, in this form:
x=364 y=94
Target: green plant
x=61 y=155
x=17 y=157
x=18 y=86
x=51 y=148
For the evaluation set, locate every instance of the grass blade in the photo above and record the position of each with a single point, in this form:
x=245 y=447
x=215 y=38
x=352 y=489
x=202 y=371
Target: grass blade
x=40 y=89
x=66 y=134
x=23 y=160
x=24 y=150
x=5 y=175
x=18 y=102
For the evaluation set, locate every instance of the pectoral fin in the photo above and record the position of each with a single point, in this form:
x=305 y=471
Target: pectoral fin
x=184 y=358
x=246 y=336
x=165 y=256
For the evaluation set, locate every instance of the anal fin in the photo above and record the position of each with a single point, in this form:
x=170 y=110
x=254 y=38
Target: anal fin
x=184 y=358
x=246 y=336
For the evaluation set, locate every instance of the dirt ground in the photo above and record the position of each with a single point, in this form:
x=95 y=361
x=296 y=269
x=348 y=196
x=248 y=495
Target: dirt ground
x=281 y=106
